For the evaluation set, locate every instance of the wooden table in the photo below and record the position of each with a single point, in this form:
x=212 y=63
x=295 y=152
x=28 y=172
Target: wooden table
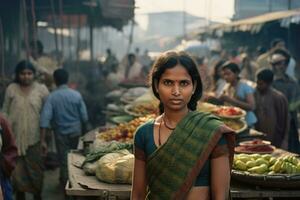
x=82 y=186
x=241 y=190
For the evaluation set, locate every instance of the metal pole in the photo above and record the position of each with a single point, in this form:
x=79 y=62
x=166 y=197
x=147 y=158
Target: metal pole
x=2 y=49
x=54 y=27
x=184 y=20
x=25 y=28
x=91 y=39
x=78 y=38
x=70 y=38
x=61 y=26
x=130 y=36
x=34 y=34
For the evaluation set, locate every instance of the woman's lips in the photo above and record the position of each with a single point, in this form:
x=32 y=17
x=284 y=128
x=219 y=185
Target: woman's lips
x=176 y=101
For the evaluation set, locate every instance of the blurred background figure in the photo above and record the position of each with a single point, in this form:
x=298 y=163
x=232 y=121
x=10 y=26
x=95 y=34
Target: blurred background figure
x=110 y=64
x=280 y=59
x=65 y=112
x=44 y=64
x=22 y=105
x=264 y=59
x=130 y=68
x=271 y=110
x=8 y=158
x=248 y=67
x=238 y=92
x=218 y=82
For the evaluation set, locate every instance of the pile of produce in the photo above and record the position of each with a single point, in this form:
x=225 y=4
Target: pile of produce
x=235 y=124
x=231 y=116
x=124 y=131
x=101 y=148
x=229 y=112
x=142 y=108
x=116 y=167
x=266 y=164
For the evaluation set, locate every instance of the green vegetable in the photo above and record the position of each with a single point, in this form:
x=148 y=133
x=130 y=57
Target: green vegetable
x=111 y=147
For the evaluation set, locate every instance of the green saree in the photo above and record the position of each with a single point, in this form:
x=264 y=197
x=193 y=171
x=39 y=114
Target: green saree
x=173 y=168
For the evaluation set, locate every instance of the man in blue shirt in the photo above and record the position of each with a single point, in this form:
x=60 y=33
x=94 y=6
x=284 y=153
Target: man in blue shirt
x=65 y=112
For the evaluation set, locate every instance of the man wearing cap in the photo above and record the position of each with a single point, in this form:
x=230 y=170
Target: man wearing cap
x=284 y=83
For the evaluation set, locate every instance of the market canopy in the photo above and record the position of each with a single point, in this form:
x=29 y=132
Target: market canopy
x=252 y=24
x=70 y=13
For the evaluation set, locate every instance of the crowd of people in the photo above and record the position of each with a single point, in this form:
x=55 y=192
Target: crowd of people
x=265 y=85
x=39 y=103
x=32 y=111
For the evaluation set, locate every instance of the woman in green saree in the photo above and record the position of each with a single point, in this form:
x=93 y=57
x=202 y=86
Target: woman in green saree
x=182 y=154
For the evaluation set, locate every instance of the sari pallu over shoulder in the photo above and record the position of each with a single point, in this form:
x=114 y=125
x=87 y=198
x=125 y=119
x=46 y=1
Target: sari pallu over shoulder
x=172 y=169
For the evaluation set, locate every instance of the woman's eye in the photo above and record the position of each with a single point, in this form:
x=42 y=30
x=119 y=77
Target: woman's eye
x=184 y=83
x=167 y=82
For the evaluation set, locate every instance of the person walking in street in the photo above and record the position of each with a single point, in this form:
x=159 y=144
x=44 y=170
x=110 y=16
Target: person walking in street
x=22 y=105
x=183 y=153
x=66 y=110
x=8 y=158
x=271 y=110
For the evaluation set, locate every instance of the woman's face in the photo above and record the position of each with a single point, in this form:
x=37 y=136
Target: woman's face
x=229 y=76
x=26 y=77
x=175 y=88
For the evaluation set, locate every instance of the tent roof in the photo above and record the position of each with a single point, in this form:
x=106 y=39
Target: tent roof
x=254 y=24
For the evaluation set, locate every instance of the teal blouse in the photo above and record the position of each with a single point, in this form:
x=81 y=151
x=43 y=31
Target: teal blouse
x=144 y=140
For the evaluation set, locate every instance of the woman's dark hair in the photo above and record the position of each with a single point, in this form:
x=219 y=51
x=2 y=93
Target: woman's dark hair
x=232 y=67
x=168 y=60
x=265 y=75
x=61 y=77
x=217 y=66
x=21 y=66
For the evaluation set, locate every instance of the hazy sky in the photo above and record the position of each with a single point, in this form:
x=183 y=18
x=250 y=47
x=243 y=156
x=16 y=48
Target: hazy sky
x=220 y=10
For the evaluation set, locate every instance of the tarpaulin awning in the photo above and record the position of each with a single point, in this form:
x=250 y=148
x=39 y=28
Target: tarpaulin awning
x=254 y=24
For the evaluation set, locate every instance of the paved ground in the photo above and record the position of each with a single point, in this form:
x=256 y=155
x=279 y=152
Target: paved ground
x=51 y=190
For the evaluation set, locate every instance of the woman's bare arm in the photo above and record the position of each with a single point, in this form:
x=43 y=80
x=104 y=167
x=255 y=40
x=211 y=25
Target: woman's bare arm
x=220 y=177
x=139 y=180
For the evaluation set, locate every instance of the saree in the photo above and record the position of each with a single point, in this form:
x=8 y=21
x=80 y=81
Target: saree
x=172 y=169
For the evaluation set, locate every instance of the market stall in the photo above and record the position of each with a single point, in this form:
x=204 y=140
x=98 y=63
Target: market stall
x=85 y=181
x=82 y=186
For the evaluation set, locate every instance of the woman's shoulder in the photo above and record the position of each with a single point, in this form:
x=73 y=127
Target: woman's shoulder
x=41 y=88
x=209 y=118
x=143 y=131
x=145 y=127
x=39 y=85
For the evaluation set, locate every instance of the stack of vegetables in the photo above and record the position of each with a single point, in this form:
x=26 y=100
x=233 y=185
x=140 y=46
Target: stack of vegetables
x=266 y=164
x=233 y=117
x=124 y=131
x=110 y=162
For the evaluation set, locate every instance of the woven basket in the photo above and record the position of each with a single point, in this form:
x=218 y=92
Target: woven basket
x=274 y=181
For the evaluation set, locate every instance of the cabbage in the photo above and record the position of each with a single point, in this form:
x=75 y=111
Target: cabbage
x=116 y=167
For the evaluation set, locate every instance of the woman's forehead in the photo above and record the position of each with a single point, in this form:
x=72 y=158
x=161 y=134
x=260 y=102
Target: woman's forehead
x=178 y=71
